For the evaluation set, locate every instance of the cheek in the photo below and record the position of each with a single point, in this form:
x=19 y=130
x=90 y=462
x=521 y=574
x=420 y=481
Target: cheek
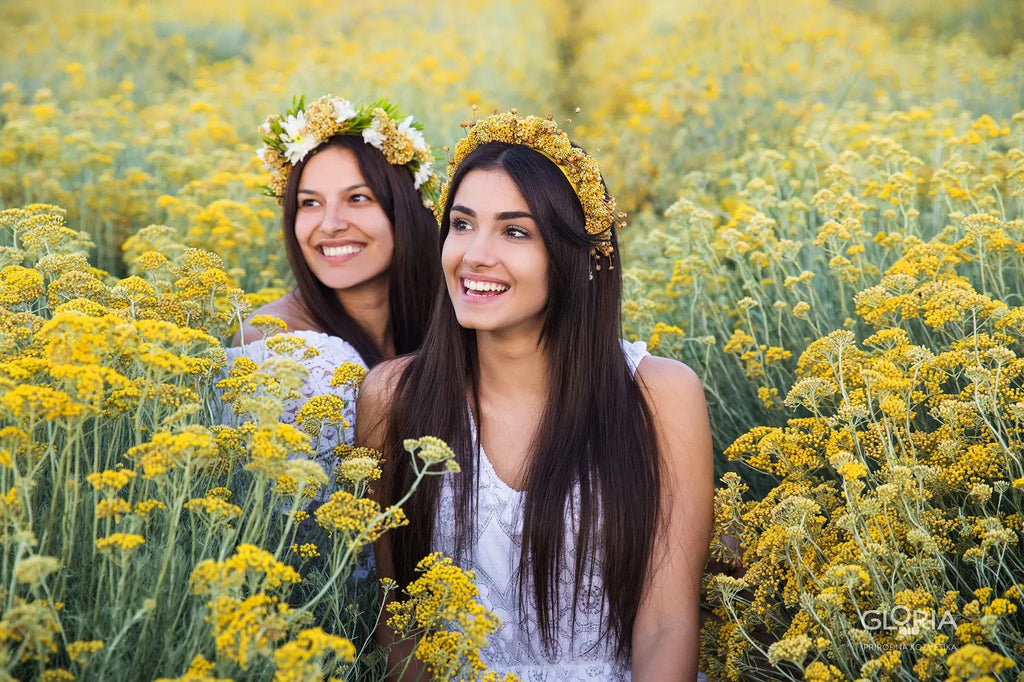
x=303 y=228
x=543 y=293
x=451 y=257
x=387 y=241
x=542 y=288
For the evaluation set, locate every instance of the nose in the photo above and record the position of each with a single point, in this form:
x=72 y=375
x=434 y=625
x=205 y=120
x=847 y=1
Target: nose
x=480 y=251
x=334 y=219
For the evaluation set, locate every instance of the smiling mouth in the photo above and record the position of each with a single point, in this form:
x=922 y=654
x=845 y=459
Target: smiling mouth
x=338 y=251
x=475 y=287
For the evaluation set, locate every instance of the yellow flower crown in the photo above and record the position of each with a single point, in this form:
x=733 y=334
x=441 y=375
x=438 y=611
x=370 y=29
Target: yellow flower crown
x=545 y=137
x=289 y=138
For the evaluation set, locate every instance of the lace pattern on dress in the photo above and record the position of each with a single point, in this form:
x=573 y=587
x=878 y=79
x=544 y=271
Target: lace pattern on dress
x=333 y=351
x=584 y=654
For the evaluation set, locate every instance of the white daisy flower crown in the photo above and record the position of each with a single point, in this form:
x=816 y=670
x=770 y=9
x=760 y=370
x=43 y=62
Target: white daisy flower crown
x=290 y=137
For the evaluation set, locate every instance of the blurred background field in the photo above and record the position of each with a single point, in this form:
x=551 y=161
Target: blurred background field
x=791 y=170
x=129 y=114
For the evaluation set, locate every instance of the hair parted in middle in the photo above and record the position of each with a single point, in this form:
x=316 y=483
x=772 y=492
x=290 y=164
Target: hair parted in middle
x=413 y=275
x=596 y=438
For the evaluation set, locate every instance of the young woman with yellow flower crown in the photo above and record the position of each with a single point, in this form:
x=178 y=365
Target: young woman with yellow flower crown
x=356 y=184
x=584 y=505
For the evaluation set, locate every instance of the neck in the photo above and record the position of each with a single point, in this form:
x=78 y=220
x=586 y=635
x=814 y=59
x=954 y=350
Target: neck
x=369 y=307
x=512 y=366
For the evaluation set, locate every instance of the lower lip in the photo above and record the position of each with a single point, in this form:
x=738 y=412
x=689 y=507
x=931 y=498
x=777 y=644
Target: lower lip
x=334 y=260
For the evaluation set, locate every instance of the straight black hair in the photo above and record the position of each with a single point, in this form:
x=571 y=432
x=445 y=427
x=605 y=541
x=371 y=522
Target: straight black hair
x=413 y=275
x=595 y=456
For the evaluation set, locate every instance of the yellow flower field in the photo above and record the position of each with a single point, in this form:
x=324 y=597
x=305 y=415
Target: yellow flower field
x=826 y=207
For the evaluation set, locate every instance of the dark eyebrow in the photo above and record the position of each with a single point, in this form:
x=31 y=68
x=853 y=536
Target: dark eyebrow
x=512 y=215
x=507 y=215
x=344 y=189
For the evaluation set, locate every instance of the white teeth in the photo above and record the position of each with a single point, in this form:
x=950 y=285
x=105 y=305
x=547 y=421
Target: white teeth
x=332 y=251
x=474 y=285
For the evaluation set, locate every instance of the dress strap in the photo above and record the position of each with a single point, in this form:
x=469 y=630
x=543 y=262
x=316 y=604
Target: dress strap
x=634 y=352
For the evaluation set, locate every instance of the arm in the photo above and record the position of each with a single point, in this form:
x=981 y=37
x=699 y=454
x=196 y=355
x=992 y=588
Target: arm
x=373 y=408
x=666 y=631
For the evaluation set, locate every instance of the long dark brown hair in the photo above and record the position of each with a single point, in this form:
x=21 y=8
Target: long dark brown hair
x=596 y=442
x=413 y=274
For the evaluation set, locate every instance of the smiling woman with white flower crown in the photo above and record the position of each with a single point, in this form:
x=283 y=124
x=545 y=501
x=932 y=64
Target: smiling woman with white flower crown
x=356 y=184
x=584 y=505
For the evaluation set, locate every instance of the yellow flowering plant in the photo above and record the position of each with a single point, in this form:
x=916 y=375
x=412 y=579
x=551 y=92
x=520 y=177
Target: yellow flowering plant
x=150 y=498
x=890 y=546
x=451 y=627
x=739 y=283
x=813 y=190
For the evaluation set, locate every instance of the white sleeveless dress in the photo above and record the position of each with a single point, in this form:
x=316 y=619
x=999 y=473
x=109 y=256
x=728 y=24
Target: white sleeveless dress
x=494 y=555
x=333 y=351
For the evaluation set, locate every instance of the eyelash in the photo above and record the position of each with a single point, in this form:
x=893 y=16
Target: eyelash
x=511 y=231
x=310 y=203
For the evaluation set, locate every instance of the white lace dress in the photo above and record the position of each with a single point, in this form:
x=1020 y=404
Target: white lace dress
x=494 y=556
x=333 y=351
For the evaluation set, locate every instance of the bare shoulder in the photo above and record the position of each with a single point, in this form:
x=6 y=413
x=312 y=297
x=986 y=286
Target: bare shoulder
x=373 y=403
x=288 y=309
x=676 y=398
x=380 y=383
x=667 y=382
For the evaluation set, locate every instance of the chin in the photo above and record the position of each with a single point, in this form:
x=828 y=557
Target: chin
x=471 y=322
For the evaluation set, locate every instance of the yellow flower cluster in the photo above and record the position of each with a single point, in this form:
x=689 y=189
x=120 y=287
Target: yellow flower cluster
x=442 y=609
x=216 y=509
x=348 y=374
x=214 y=577
x=31 y=627
x=126 y=542
x=247 y=629
x=359 y=520
x=199 y=670
x=271 y=446
x=432 y=451
x=972 y=662
x=319 y=411
x=113 y=507
x=167 y=451
x=81 y=651
x=19 y=286
x=261 y=390
x=34 y=569
x=111 y=480
x=306 y=551
x=301 y=659
x=357 y=465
